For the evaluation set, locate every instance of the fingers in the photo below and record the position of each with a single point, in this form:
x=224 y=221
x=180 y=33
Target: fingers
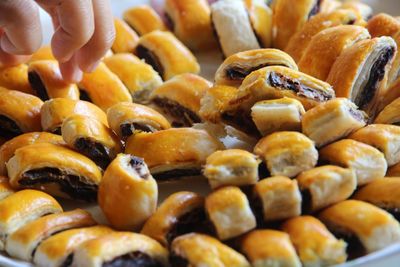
x=70 y=70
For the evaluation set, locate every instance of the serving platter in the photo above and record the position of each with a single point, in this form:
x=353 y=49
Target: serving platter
x=209 y=63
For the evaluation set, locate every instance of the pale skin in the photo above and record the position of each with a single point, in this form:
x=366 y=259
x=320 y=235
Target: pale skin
x=84 y=31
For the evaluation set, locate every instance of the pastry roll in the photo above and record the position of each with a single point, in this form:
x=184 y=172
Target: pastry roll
x=191 y=22
x=390 y=114
x=237 y=66
x=43 y=53
x=367 y=162
x=301 y=39
x=103 y=88
x=126 y=39
x=58 y=249
x=16 y=78
x=332 y=120
x=326 y=46
x=233 y=27
x=22 y=244
x=286 y=24
x=55 y=111
x=128 y=193
x=365 y=227
x=143 y=19
x=283 y=114
x=8 y=149
x=121 y=249
x=260 y=15
x=126 y=119
x=383 y=25
x=266 y=248
x=19 y=113
x=46 y=80
x=178 y=214
x=231 y=167
x=363 y=10
x=326 y=185
x=91 y=138
x=277 y=198
x=174 y=152
x=54 y=169
x=315 y=245
x=23 y=207
x=5 y=188
x=179 y=98
x=230 y=213
x=360 y=72
x=166 y=54
x=140 y=78
x=394 y=171
x=285 y=160
x=202 y=250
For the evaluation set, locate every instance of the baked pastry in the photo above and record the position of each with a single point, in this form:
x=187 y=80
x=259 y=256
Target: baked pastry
x=326 y=46
x=55 y=111
x=394 y=171
x=363 y=10
x=394 y=73
x=22 y=243
x=58 y=250
x=103 y=88
x=202 y=250
x=91 y=138
x=128 y=193
x=140 y=78
x=143 y=19
x=260 y=14
x=277 y=198
x=19 y=113
x=16 y=78
x=383 y=25
x=233 y=27
x=174 y=152
x=43 y=53
x=367 y=162
x=282 y=114
x=237 y=66
x=121 y=248
x=229 y=211
x=5 y=188
x=390 y=114
x=166 y=54
x=392 y=92
x=54 y=169
x=231 y=167
x=8 y=149
x=285 y=160
x=23 y=207
x=365 y=227
x=126 y=39
x=126 y=119
x=286 y=24
x=266 y=248
x=326 y=185
x=332 y=120
x=315 y=245
x=179 y=214
x=47 y=82
x=298 y=43
x=179 y=98
x=360 y=72
x=386 y=138
x=328 y=6
x=191 y=22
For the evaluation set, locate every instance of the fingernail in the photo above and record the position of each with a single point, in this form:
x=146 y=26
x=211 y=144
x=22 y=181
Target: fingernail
x=76 y=76
x=91 y=67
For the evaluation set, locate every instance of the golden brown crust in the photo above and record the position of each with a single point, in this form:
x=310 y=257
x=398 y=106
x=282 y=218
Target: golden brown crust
x=126 y=39
x=5 y=188
x=392 y=93
x=144 y=19
x=394 y=171
x=43 y=53
x=261 y=19
x=383 y=25
x=16 y=78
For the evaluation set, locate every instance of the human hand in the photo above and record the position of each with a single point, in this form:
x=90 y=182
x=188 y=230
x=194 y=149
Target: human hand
x=84 y=31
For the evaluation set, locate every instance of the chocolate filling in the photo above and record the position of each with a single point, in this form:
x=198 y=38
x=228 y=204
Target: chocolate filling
x=175 y=174
x=366 y=94
x=239 y=73
x=355 y=248
x=94 y=150
x=242 y=121
x=315 y=10
x=394 y=211
x=280 y=81
x=169 y=22
x=357 y=114
x=184 y=116
x=68 y=261
x=178 y=261
x=84 y=96
x=69 y=183
x=258 y=210
x=150 y=58
x=133 y=259
x=8 y=128
x=56 y=130
x=138 y=166
x=127 y=129
x=37 y=85
x=306 y=201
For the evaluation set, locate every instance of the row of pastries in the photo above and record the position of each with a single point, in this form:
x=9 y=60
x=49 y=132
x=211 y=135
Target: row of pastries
x=297 y=136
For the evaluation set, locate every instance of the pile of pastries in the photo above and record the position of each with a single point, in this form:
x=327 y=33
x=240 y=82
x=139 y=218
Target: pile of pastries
x=298 y=137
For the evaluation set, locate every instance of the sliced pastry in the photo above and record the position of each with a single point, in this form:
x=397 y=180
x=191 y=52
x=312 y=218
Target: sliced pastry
x=362 y=9
x=143 y=19
x=390 y=114
x=140 y=78
x=315 y=245
x=180 y=213
x=383 y=25
x=5 y=188
x=54 y=169
x=16 y=78
x=166 y=54
x=260 y=14
x=126 y=39
x=332 y=120
x=284 y=159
